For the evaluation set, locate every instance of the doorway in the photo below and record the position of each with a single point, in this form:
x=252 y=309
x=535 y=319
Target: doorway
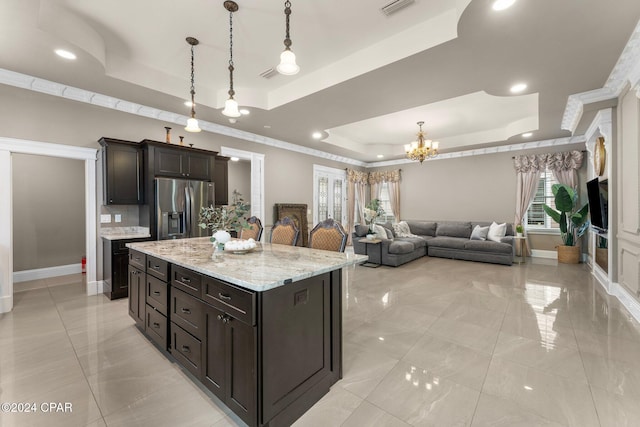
x=9 y=146
x=257 y=178
x=329 y=194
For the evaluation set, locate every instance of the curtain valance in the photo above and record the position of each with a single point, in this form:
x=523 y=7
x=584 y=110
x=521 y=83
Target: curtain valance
x=357 y=176
x=562 y=161
x=384 y=176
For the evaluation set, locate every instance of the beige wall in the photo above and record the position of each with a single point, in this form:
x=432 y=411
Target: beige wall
x=48 y=211
x=627 y=221
x=240 y=179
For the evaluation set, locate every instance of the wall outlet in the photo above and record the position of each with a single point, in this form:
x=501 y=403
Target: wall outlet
x=105 y=218
x=118 y=217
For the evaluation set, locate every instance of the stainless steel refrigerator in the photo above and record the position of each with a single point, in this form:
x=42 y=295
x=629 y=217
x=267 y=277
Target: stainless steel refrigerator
x=178 y=204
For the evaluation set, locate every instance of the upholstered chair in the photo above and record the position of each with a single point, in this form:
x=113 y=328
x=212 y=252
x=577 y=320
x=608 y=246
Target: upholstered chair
x=328 y=235
x=255 y=230
x=284 y=232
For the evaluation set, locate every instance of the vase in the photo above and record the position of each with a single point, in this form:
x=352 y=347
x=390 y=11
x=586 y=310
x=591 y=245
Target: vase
x=371 y=236
x=221 y=237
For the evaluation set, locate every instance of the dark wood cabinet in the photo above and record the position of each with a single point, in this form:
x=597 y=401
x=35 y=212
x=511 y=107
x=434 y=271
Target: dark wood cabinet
x=122 y=164
x=115 y=261
x=137 y=280
x=179 y=163
x=221 y=180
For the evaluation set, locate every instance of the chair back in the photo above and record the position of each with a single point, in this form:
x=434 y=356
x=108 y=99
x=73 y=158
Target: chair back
x=255 y=230
x=284 y=232
x=328 y=235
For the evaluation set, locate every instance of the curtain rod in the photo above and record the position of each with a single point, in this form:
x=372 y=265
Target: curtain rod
x=582 y=151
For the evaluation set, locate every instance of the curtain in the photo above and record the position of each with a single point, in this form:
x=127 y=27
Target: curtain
x=356 y=187
x=392 y=178
x=564 y=167
x=528 y=171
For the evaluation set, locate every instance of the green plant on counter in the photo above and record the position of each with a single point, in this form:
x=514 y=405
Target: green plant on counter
x=519 y=229
x=573 y=222
x=228 y=218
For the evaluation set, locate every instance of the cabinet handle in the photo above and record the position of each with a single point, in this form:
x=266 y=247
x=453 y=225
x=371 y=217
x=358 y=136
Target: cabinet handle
x=157 y=267
x=156 y=292
x=224 y=318
x=186 y=349
x=156 y=324
x=224 y=296
x=186 y=280
x=186 y=311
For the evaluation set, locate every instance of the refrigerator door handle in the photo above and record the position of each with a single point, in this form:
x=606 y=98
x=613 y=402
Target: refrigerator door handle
x=187 y=208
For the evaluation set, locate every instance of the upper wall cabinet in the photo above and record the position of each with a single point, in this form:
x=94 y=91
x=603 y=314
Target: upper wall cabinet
x=221 y=180
x=122 y=166
x=180 y=163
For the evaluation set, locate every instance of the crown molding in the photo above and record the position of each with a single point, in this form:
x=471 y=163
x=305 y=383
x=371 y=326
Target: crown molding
x=489 y=150
x=24 y=146
x=23 y=81
x=625 y=72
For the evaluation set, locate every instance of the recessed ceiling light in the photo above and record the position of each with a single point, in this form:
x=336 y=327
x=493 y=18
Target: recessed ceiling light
x=527 y=134
x=245 y=112
x=518 y=87
x=65 y=54
x=234 y=159
x=316 y=135
x=502 y=4
x=187 y=103
x=267 y=126
x=380 y=156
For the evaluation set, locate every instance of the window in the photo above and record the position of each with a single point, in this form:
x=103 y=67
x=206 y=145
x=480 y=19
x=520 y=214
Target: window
x=385 y=202
x=536 y=218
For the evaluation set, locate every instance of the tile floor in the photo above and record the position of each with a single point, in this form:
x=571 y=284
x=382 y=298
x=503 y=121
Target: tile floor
x=432 y=343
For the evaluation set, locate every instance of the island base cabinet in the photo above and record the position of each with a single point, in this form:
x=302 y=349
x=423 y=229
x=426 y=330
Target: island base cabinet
x=230 y=363
x=137 y=292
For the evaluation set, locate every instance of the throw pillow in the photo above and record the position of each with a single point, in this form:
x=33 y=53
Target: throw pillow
x=479 y=233
x=497 y=231
x=402 y=229
x=389 y=233
x=380 y=233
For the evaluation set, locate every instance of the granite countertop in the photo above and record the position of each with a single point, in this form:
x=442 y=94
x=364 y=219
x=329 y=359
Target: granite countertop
x=268 y=266
x=120 y=233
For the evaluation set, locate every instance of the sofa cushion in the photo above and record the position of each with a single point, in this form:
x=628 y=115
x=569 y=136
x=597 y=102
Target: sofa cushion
x=401 y=247
x=488 y=246
x=479 y=233
x=389 y=233
x=454 y=229
x=448 y=242
x=422 y=228
x=389 y=227
x=418 y=242
x=402 y=229
x=361 y=230
x=381 y=233
x=497 y=231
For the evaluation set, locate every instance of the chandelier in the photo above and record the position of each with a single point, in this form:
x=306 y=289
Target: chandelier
x=421 y=150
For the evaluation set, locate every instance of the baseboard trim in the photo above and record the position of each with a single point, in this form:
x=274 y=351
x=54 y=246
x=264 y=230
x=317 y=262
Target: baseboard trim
x=537 y=253
x=95 y=288
x=626 y=299
x=6 y=304
x=43 y=273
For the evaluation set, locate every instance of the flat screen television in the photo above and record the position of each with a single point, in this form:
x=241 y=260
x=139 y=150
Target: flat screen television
x=598 y=193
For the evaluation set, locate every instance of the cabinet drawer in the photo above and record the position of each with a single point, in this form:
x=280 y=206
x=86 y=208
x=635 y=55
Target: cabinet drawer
x=156 y=326
x=158 y=268
x=187 y=312
x=234 y=301
x=137 y=259
x=157 y=296
x=186 y=280
x=187 y=350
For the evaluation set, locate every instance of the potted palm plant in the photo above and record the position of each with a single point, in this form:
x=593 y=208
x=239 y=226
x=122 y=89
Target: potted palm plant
x=573 y=222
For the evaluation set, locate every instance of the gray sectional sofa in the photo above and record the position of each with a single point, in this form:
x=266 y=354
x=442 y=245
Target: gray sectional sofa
x=446 y=239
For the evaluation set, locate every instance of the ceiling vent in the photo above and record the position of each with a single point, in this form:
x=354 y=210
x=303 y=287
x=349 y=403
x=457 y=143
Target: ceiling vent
x=394 y=6
x=268 y=73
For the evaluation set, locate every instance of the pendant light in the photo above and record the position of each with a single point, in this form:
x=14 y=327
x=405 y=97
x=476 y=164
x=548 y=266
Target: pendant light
x=192 y=123
x=231 y=105
x=287 y=65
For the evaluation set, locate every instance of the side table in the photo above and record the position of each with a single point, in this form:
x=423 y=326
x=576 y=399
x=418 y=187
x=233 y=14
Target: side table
x=521 y=243
x=367 y=243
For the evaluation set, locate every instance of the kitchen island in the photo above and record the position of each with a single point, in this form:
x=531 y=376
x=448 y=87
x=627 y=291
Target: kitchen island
x=262 y=330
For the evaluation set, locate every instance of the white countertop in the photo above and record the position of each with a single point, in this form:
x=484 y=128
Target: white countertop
x=120 y=233
x=268 y=266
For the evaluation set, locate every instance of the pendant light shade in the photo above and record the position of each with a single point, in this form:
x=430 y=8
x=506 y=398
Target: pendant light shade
x=231 y=108
x=287 y=65
x=231 y=105
x=192 y=123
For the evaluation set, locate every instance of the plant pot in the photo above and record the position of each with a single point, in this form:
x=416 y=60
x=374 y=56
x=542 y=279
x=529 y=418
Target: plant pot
x=518 y=234
x=569 y=254
x=371 y=236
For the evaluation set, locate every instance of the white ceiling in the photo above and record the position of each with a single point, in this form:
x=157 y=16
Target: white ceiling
x=365 y=79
